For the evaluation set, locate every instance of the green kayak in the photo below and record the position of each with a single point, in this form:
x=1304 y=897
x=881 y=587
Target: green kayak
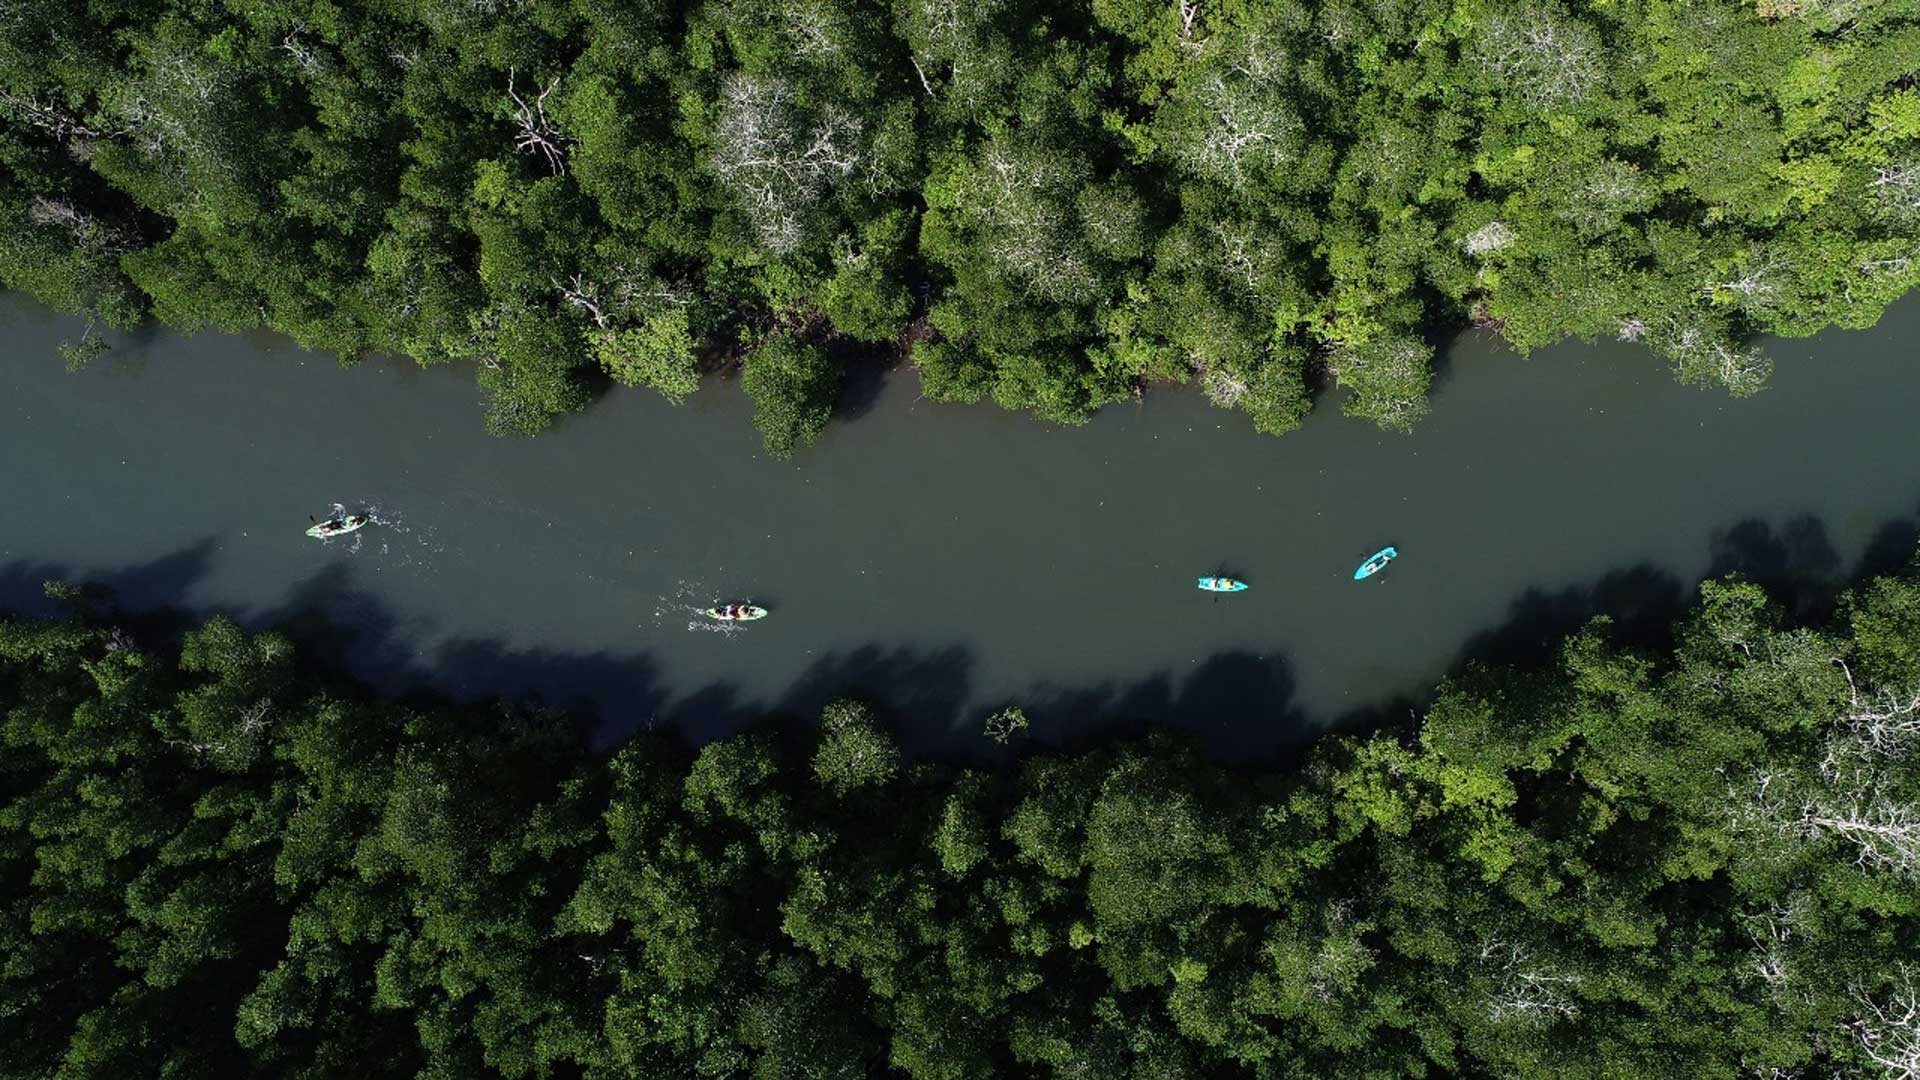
x=339 y=526
x=736 y=613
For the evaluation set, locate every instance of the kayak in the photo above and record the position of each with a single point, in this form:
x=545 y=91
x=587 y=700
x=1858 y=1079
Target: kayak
x=1376 y=564
x=338 y=526
x=1222 y=584
x=736 y=613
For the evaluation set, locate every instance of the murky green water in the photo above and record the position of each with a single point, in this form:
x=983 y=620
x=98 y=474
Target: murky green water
x=947 y=559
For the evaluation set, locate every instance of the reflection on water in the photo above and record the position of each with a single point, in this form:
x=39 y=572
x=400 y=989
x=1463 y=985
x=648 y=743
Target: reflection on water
x=949 y=560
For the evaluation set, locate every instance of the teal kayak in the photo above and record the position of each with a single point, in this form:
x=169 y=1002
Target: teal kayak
x=1222 y=584
x=1376 y=564
x=339 y=526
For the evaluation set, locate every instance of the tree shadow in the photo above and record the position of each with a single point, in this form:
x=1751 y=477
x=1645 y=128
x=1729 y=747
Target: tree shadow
x=926 y=689
x=1797 y=565
x=1236 y=705
x=148 y=598
x=1440 y=370
x=864 y=373
x=1892 y=549
x=1641 y=600
x=335 y=625
x=342 y=629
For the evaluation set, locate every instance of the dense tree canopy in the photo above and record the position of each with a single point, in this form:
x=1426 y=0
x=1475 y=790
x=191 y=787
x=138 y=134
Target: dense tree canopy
x=1048 y=204
x=1703 y=863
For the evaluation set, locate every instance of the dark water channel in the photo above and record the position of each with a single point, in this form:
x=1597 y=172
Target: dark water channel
x=945 y=559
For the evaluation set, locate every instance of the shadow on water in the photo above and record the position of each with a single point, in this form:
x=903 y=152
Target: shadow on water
x=615 y=696
x=1641 y=600
x=347 y=629
x=1237 y=705
x=1796 y=563
x=1440 y=368
x=863 y=378
x=928 y=686
x=1892 y=548
x=146 y=597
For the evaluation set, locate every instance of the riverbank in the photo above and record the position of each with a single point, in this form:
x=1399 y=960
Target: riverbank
x=1075 y=198
x=1694 y=861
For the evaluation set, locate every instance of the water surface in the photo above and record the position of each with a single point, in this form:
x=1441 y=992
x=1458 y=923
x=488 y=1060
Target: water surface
x=946 y=559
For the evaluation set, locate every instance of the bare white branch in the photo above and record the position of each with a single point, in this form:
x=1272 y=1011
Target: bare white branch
x=1701 y=357
x=61 y=213
x=1878 y=727
x=1342 y=957
x=1774 y=932
x=1853 y=807
x=1887 y=1029
x=1545 y=56
x=1014 y=192
x=1884 y=830
x=767 y=152
x=947 y=22
x=172 y=105
x=305 y=57
x=1223 y=386
x=48 y=117
x=1189 y=11
x=1757 y=283
x=814 y=28
x=1897 y=187
x=538 y=134
x=580 y=293
x=1246 y=126
x=1526 y=990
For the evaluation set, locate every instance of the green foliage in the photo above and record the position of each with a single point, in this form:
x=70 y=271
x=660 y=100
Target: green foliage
x=792 y=383
x=1388 y=378
x=853 y=752
x=1007 y=724
x=528 y=360
x=1062 y=202
x=1703 y=862
x=657 y=353
x=866 y=297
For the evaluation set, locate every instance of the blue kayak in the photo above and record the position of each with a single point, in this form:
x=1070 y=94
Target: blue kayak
x=1375 y=564
x=1222 y=584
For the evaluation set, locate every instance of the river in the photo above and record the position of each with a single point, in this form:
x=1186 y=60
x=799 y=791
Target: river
x=944 y=560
